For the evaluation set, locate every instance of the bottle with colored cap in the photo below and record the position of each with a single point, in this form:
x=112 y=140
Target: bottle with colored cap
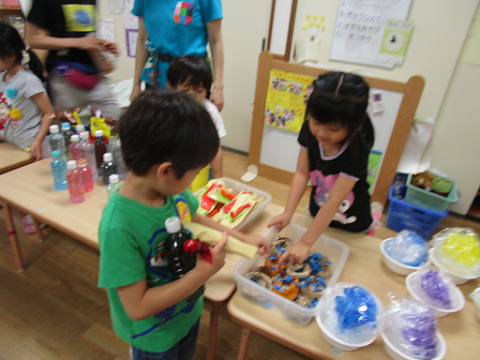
x=59 y=171
x=74 y=179
x=181 y=252
x=74 y=148
x=86 y=175
x=114 y=185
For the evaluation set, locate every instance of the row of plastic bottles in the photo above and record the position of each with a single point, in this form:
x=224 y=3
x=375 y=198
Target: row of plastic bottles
x=77 y=177
x=75 y=146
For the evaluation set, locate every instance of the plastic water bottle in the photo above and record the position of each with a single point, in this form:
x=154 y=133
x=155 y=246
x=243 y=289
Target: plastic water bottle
x=114 y=185
x=67 y=133
x=74 y=183
x=181 y=258
x=88 y=150
x=59 y=170
x=100 y=148
x=108 y=167
x=115 y=147
x=57 y=141
x=86 y=175
x=79 y=128
x=75 y=149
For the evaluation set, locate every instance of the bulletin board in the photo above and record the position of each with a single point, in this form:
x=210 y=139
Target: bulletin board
x=275 y=150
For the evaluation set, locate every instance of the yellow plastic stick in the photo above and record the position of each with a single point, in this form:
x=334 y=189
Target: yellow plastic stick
x=213 y=237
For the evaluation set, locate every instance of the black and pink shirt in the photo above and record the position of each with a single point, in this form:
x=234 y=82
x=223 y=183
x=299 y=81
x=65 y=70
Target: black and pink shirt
x=354 y=212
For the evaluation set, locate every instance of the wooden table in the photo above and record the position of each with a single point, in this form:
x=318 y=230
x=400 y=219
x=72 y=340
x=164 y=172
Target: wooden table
x=12 y=157
x=30 y=190
x=364 y=266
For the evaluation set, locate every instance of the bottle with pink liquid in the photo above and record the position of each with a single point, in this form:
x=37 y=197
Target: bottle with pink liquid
x=74 y=147
x=74 y=183
x=86 y=175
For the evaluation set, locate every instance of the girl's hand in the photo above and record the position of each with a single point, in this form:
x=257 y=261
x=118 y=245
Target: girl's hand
x=218 y=255
x=260 y=242
x=280 y=220
x=296 y=254
x=36 y=150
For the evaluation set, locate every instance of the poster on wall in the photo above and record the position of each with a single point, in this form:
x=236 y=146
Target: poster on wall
x=287 y=96
x=360 y=27
x=131 y=28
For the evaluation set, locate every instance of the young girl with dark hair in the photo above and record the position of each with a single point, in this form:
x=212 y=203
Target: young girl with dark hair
x=336 y=139
x=25 y=108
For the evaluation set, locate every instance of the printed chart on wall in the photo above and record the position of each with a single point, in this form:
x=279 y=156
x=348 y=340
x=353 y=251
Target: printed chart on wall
x=286 y=99
x=360 y=29
x=131 y=28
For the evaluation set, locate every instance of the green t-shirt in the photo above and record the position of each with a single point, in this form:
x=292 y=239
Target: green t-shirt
x=131 y=237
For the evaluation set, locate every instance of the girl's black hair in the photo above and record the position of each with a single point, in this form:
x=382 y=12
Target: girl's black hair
x=342 y=98
x=11 y=43
x=190 y=70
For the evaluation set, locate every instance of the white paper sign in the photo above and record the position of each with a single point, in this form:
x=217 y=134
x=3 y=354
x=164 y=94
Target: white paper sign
x=106 y=29
x=360 y=27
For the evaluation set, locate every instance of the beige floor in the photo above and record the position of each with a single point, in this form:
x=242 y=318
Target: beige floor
x=54 y=309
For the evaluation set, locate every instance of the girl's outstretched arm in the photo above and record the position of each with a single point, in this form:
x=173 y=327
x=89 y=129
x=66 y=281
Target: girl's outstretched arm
x=297 y=189
x=43 y=102
x=299 y=251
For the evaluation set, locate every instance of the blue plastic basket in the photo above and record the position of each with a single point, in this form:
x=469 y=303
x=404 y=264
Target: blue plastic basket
x=403 y=215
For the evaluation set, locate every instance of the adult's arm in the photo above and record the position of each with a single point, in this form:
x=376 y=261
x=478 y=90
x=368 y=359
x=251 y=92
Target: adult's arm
x=38 y=38
x=140 y=58
x=214 y=30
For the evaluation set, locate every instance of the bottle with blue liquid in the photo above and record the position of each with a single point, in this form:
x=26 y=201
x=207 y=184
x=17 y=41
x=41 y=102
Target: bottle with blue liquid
x=59 y=170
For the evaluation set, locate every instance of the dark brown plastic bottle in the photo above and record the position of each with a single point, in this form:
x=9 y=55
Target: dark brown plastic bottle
x=180 y=261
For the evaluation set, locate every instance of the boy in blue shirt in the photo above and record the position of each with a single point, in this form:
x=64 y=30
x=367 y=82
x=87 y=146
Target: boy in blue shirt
x=166 y=137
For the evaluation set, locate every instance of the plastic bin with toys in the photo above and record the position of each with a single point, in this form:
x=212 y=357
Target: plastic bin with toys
x=246 y=203
x=428 y=199
x=326 y=250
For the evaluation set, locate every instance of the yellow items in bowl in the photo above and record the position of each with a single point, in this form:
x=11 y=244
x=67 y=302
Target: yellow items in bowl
x=464 y=249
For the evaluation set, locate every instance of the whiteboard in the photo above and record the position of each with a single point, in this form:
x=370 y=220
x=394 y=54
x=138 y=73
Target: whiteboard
x=359 y=29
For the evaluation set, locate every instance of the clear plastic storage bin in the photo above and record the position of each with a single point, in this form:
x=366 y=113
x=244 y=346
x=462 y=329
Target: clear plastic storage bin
x=336 y=251
x=237 y=186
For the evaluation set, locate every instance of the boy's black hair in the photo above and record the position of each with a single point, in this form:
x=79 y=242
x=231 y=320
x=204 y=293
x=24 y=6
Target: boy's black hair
x=342 y=98
x=11 y=43
x=190 y=70
x=167 y=126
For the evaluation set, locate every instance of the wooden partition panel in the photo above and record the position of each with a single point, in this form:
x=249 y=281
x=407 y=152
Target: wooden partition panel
x=411 y=90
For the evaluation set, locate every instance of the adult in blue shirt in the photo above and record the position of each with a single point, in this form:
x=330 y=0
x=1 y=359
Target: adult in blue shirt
x=171 y=28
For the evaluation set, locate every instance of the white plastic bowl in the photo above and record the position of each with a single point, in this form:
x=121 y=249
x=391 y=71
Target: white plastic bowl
x=396 y=354
x=457 y=297
x=458 y=280
x=394 y=265
x=334 y=340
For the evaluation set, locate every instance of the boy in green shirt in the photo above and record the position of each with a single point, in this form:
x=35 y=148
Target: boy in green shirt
x=167 y=138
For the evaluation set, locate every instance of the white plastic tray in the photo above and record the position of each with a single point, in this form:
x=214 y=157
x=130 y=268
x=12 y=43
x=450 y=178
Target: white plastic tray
x=237 y=186
x=336 y=251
